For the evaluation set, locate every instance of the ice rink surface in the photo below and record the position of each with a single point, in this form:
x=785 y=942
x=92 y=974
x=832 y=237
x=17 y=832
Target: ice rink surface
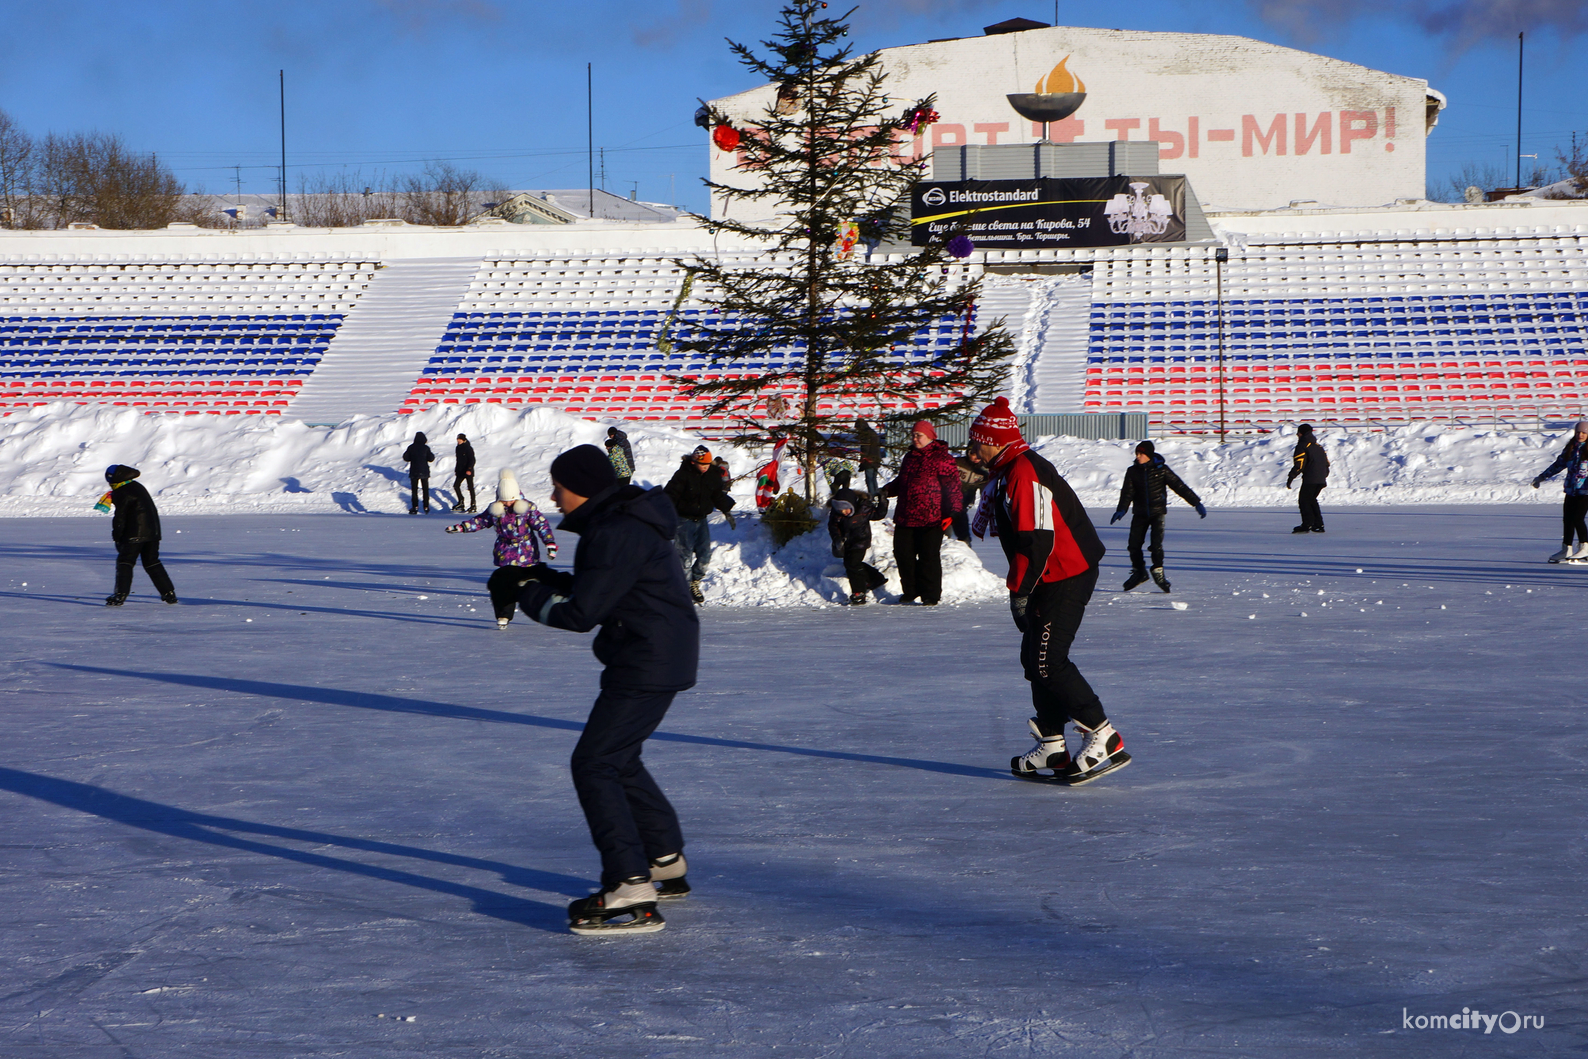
x=252 y=826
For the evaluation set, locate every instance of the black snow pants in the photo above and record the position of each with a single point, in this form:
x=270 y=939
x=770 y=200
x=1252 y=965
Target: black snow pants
x=504 y=585
x=1311 y=513
x=1058 y=690
x=457 y=489
x=127 y=556
x=631 y=821
x=1574 y=519
x=919 y=552
x=416 y=486
x=863 y=577
x=1139 y=525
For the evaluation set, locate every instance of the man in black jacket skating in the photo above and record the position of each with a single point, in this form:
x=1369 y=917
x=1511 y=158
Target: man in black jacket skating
x=463 y=472
x=627 y=579
x=1146 y=487
x=135 y=528
x=1311 y=463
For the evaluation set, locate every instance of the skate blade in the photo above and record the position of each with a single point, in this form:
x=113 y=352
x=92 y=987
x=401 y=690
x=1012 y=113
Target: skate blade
x=672 y=889
x=1037 y=777
x=1115 y=762
x=646 y=921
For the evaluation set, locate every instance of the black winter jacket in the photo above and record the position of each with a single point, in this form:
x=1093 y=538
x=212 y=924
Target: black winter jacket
x=696 y=494
x=136 y=518
x=1147 y=485
x=464 y=460
x=1310 y=461
x=419 y=458
x=870 y=445
x=628 y=580
x=620 y=439
x=853 y=532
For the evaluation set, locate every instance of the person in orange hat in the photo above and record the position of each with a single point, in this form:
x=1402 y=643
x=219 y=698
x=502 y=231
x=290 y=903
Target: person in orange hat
x=1053 y=552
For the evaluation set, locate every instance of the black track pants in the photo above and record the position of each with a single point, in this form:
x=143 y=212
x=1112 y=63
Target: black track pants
x=1139 y=525
x=1058 y=691
x=416 y=486
x=127 y=556
x=1573 y=516
x=919 y=552
x=1307 y=500
x=503 y=586
x=631 y=821
x=457 y=489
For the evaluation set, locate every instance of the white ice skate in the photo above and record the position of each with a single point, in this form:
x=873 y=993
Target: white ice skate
x=627 y=908
x=1563 y=555
x=1103 y=753
x=501 y=623
x=667 y=874
x=1580 y=556
x=1049 y=753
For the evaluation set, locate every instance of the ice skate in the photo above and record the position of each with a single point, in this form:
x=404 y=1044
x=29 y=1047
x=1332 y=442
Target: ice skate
x=628 y=908
x=116 y=600
x=695 y=593
x=501 y=623
x=1049 y=753
x=1103 y=753
x=458 y=506
x=857 y=599
x=1318 y=528
x=1159 y=579
x=667 y=873
x=169 y=597
x=1137 y=576
x=1302 y=529
x=1564 y=554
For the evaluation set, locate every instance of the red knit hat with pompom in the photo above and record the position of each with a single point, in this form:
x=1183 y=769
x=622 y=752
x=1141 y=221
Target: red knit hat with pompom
x=996 y=425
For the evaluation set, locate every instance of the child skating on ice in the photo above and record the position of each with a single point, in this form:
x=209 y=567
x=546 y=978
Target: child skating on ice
x=520 y=529
x=1146 y=487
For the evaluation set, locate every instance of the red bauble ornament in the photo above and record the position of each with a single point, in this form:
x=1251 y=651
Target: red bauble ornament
x=726 y=137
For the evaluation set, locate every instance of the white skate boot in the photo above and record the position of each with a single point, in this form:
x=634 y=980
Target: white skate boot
x=1578 y=556
x=1103 y=753
x=627 y=908
x=667 y=873
x=1049 y=753
x=1564 y=554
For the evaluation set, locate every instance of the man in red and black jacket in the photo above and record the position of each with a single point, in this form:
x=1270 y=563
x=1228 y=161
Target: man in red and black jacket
x=1053 y=551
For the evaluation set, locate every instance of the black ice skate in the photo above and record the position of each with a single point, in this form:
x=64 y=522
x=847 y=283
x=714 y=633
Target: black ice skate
x=1159 y=579
x=695 y=593
x=667 y=873
x=1302 y=529
x=628 y=908
x=1318 y=528
x=1103 y=753
x=1137 y=576
x=116 y=600
x=857 y=599
x=1049 y=753
x=169 y=597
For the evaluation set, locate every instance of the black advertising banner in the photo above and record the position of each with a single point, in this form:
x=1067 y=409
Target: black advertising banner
x=1051 y=211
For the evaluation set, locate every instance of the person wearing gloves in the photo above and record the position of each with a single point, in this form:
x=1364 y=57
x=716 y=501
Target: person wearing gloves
x=697 y=489
x=621 y=454
x=135 y=529
x=849 y=518
x=626 y=579
x=1311 y=463
x=1146 y=488
x=1053 y=552
x=463 y=472
x=419 y=458
x=1573 y=459
x=520 y=529
x=929 y=497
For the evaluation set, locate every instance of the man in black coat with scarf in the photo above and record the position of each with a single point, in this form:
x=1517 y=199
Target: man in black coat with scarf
x=1146 y=486
x=628 y=580
x=135 y=528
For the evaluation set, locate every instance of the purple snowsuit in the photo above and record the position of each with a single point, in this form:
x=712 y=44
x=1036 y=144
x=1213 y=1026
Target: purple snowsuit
x=515 y=536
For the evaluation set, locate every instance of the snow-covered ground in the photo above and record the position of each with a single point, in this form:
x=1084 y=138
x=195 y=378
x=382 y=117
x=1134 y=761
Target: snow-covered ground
x=341 y=824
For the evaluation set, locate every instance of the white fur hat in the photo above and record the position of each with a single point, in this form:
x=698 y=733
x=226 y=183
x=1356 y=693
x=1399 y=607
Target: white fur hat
x=507 y=486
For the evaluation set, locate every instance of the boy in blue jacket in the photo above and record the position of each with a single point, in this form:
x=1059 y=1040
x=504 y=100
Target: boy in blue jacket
x=627 y=579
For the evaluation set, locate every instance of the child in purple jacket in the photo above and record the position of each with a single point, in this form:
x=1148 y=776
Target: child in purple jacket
x=518 y=525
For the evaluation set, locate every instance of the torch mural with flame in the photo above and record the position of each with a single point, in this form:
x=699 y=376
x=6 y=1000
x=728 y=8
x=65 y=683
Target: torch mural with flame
x=1057 y=96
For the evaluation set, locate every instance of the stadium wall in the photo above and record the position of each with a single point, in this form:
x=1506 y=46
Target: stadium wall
x=1362 y=317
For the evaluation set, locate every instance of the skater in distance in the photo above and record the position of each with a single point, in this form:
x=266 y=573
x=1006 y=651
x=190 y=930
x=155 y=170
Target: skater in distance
x=520 y=529
x=135 y=529
x=621 y=453
x=1053 y=551
x=419 y=458
x=1311 y=464
x=697 y=489
x=626 y=579
x=1146 y=488
x=463 y=473
x=1573 y=459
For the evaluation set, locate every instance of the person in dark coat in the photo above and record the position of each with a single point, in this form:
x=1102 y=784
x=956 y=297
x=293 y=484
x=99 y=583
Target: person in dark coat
x=626 y=579
x=1311 y=463
x=621 y=454
x=929 y=498
x=971 y=478
x=135 y=529
x=1573 y=459
x=849 y=518
x=1053 y=552
x=1146 y=487
x=419 y=458
x=697 y=489
x=871 y=453
x=462 y=471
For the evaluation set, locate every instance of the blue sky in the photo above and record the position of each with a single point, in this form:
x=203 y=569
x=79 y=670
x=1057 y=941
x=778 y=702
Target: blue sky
x=499 y=85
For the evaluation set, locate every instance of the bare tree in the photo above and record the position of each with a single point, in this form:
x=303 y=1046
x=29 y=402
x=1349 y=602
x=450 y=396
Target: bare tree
x=1576 y=163
x=446 y=196
x=344 y=199
x=17 y=207
x=94 y=178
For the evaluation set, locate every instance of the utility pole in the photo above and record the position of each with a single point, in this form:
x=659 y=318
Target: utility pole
x=589 y=128
x=282 y=75
x=1519 y=43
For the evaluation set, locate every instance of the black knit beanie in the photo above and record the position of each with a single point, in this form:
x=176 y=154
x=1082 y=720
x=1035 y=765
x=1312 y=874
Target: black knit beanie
x=1146 y=448
x=584 y=470
x=117 y=473
x=1304 y=431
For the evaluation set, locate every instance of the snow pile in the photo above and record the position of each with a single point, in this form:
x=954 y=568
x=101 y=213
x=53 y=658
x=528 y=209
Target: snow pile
x=747 y=571
x=1423 y=463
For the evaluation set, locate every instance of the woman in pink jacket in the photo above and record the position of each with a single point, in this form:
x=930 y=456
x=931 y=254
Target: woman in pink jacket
x=929 y=497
